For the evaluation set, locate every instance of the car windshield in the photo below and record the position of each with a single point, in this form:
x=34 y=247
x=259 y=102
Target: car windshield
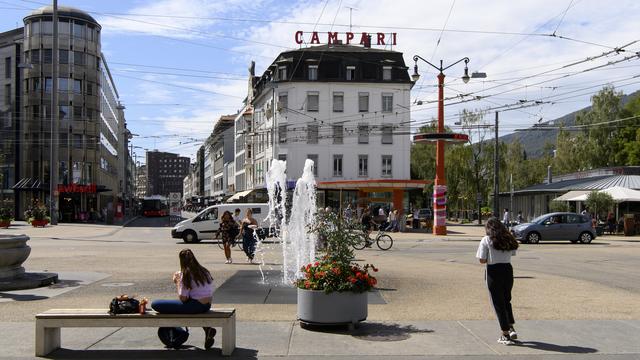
x=539 y=219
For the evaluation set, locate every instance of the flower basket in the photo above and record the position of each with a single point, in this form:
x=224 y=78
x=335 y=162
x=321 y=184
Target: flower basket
x=39 y=223
x=6 y=215
x=4 y=224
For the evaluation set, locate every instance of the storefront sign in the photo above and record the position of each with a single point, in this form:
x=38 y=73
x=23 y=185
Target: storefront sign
x=346 y=38
x=76 y=188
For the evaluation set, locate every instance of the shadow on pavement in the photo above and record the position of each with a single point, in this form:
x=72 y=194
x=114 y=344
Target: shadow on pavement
x=370 y=331
x=22 y=297
x=567 y=349
x=186 y=352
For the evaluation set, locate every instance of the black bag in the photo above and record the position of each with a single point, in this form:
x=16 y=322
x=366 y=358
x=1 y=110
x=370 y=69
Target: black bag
x=173 y=337
x=124 y=306
x=235 y=230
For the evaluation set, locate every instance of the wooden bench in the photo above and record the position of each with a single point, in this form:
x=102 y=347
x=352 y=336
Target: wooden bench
x=48 y=324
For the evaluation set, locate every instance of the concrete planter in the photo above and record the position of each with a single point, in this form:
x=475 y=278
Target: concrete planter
x=13 y=252
x=39 y=223
x=4 y=224
x=315 y=307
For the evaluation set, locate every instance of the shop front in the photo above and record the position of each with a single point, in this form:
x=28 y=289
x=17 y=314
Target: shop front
x=79 y=203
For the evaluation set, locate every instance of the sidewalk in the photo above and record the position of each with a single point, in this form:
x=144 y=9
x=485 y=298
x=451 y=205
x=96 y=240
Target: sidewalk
x=67 y=230
x=576 y=339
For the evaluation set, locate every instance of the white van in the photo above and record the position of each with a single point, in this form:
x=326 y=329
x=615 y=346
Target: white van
x=206 y=223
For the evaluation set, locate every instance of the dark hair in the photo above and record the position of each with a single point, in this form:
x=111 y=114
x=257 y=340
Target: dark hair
x=236 y=210
x=501 y=238
x=192 y=270
x=227 y=216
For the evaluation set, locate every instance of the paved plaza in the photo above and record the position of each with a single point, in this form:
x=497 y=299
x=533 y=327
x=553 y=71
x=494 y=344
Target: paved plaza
x=571 y=301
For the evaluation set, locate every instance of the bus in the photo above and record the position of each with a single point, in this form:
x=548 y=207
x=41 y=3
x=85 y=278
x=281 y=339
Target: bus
x=155 y=205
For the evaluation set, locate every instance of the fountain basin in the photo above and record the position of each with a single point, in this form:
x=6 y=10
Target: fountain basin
x=14 y=251
x=316 y=307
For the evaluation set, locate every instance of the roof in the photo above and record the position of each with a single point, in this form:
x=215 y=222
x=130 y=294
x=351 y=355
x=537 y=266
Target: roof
x=342 y=48
x=619 y=194
x=590 y=183
x=63 y=11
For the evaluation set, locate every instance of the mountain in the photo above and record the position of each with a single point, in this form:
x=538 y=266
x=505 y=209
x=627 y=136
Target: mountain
x=534 y=141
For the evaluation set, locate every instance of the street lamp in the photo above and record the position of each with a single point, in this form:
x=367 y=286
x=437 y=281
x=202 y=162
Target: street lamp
x=440 y=183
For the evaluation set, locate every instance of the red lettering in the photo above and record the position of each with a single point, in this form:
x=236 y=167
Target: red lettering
x=381 y=39
x=364 y=39
x=394 y=39
x=314 y=38
x=299 y=37
x=349 y=37
x=332 y=38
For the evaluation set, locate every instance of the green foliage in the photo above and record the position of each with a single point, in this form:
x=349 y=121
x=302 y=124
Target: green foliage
x=558 y=206
x=37 y=211
x=6 y=213
x=338 y=234
x=599 y=202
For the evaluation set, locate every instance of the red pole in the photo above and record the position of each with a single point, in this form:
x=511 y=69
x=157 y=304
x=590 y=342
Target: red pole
x=440 y=183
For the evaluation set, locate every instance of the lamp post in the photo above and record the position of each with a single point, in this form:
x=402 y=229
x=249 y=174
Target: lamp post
x=440 y=183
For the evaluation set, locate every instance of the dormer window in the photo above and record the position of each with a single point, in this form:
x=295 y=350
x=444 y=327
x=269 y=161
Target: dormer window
x=282 y=73
x=313 y=72
x=351 y=73
x=386 y=73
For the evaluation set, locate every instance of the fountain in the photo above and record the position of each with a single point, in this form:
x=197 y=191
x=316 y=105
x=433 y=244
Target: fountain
x=13 y=252
x=298 y=246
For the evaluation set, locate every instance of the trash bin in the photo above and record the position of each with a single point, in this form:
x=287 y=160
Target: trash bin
x=629 y=225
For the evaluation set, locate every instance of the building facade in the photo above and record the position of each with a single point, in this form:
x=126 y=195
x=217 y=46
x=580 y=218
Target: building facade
x=165 y=173
x=91 y=129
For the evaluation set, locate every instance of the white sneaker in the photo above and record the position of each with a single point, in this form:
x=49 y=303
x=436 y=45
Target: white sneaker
x=227 y=262
x=505 y=339
x=230 y=261
x=513 y=334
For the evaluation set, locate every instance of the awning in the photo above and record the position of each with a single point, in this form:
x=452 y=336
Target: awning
x=576 y=195
x=618 y=193
x=239 y=195
x=30 y=184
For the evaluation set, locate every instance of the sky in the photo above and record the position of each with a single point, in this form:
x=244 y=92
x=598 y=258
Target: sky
x=179 y=65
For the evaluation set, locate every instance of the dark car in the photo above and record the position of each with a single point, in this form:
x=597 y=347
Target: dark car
x=556 y=226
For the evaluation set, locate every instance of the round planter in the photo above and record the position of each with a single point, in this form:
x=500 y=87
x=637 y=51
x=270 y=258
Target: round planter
x=318 y=308
x=39 y=223
x=5 y=224
x=13 y=252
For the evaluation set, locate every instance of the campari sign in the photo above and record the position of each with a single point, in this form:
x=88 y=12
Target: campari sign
x=347 y=38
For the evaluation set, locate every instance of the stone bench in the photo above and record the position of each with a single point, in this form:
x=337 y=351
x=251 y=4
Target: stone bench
x=49 y=323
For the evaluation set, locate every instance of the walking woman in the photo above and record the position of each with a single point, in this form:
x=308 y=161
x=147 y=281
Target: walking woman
x=249 y=223
x=194 y=285
x=229 y=230
x=496 y=250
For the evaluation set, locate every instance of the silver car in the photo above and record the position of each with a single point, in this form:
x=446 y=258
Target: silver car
x=556 y=226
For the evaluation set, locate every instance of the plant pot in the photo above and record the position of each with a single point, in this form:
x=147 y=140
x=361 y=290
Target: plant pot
x=318 y=308
x=39 y=223
x=4 y=224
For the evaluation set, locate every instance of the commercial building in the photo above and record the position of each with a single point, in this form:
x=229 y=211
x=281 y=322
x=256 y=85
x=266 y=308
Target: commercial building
x=165 y=173
x=91 y=142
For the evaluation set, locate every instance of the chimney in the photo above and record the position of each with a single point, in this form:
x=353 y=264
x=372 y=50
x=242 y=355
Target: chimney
x=549 y=178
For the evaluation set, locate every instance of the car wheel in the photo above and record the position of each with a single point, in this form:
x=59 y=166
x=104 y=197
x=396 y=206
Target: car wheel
x=585 y=238
x=190 y=237
x=533 y=238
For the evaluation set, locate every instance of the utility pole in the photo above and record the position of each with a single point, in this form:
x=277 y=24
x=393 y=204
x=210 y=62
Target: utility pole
x=53 y=165
x=496 y=171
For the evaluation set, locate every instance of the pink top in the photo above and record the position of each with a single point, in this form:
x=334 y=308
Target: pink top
x=197 y=291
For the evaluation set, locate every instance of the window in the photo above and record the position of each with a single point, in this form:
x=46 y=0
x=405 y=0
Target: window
x=313 y=72
x=63 y=139
x=36 y=84
x=282 y=134
x=387 y=102
x=314 y=157
x=89 y=88
x=48 y=84
x=312 y=134
x=47 y=27
x=363 y=134
x=337 y=165
x=77 y=86
x=282 y=157
x=78 y=58
x=35 y=56
x=47 y=56
x=283 y=101
x=7 y=68
x=313 y=100
x=78 y=30
x=363 y=165
x=282 y=73
x=63 y=84
x=77 y=141
x=386 y=73
x=351 y=73
x=7 y=94
x=63 y=27
x=387 y=134
x=338 y=102
x=35 y=27
x=63 y=57
x=363 y=102
x=77 y=112
x=64 y=114
x=386 y=166
x=338 y=134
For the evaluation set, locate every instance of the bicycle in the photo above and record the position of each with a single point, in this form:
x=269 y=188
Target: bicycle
x=382 y=239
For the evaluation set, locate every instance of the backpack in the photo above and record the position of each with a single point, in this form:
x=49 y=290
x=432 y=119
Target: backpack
x=173 y=337
x=121 y=305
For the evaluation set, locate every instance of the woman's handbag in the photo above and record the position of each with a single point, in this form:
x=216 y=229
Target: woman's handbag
x=123 y=305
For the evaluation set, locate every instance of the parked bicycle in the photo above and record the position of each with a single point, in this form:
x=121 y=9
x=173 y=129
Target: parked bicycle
x=382 y=239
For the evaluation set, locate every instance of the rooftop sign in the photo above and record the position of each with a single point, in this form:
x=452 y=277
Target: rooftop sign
x=346 y=38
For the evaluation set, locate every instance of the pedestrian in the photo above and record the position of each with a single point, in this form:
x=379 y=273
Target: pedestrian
x=520 y=219
x=393 y=221
x=586 y=213
x=249 y=224
x=348 y=213
x=194 y=285
x=367 y=222
x=229 y=230
x=505 y=217
x=416 y=218
x=495 y=250
x=238 y=220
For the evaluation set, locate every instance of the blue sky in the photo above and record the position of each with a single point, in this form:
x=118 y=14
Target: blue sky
x=195 y=54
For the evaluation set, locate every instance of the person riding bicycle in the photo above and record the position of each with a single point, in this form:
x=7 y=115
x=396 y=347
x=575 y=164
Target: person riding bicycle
x=367 y=222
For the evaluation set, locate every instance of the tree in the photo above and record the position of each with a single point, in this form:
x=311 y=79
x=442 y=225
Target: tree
x=599 y=202
x=558 y=206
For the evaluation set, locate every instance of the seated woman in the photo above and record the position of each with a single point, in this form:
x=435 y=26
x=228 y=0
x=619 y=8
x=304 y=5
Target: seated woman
x=194 y=285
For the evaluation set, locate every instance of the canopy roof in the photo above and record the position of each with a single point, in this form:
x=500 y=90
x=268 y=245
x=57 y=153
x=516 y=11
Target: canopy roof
x=618 y=193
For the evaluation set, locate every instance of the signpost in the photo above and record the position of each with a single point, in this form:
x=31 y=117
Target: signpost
x=174 y=207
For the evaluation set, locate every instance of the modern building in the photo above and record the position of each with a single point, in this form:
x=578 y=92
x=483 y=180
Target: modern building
x=344 y=107
x=91 y=134
x=222 y=150
x=141 y=181
x=165 y=173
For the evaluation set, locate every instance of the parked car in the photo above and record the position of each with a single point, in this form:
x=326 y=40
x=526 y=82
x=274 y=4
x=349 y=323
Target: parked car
x=424 y=214
x=556 y=226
